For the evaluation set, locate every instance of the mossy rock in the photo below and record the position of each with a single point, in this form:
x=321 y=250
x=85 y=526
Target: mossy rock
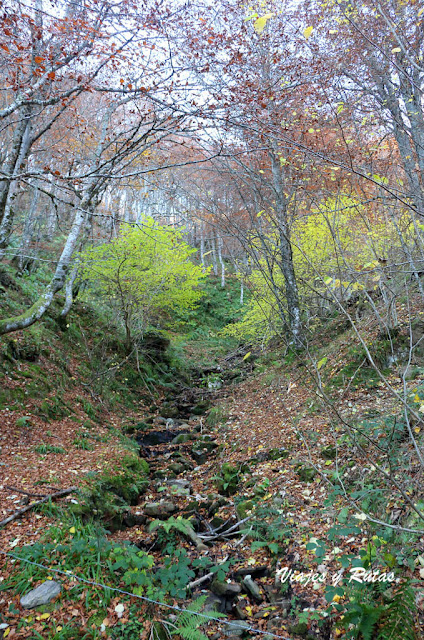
x=201 y=408
x=299 y=629
x=181 y=438
x=306 y=474
x=177 y=467
x=111 y=493
x=243 y=508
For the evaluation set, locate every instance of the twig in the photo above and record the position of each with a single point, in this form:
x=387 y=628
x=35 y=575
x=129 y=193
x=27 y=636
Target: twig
x=26 y=493
x=20 y=512
x=195 y=583
x=223 y=534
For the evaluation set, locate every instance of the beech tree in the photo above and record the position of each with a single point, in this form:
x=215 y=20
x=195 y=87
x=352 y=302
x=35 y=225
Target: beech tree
x=143 y=273
x=72 y=88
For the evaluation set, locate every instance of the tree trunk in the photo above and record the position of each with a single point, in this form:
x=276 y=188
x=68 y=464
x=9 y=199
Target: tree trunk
x=221 y=261
x=38 y=309
x=286 y=255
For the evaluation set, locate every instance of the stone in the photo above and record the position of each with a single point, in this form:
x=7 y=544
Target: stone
x=183 y=484
x=213 y=603
x=225 y=589
x=252 y=589
x=236 y=628
x=243 y=508
x=169 y=410
x=161 y=510
x=176 y=467
x=181 y=438
x=42 y=594
x=276 y=624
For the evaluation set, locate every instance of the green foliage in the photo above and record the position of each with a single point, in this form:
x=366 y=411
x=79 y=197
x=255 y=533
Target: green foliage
x=322 y=244
x=188 y=623
x=179 y=524
x=83 y=443
x=110 y=493
x=268 y=529
x=53 y=409
x=23 y=422
x=228 y=479
x=144 y=273
x=49 y=448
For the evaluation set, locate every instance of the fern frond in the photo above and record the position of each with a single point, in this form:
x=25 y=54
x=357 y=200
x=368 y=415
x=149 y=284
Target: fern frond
x=398 y=622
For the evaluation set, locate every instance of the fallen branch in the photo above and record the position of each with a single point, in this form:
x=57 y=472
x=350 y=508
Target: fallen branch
x=20 y=512
x=25 y=493
x=195 y=583
x=223 y=534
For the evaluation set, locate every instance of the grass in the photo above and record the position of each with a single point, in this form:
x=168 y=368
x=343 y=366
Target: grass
x=49 y=448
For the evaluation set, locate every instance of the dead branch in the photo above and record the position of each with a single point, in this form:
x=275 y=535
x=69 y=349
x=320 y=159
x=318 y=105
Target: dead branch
x=25 y=493
x=52 y=496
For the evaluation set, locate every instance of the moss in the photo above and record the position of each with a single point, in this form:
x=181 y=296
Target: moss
x=111 y=493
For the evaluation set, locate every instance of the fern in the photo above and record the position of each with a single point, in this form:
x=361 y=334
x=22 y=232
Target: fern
x=398 y=622
x=188 y=623
x=180 y=524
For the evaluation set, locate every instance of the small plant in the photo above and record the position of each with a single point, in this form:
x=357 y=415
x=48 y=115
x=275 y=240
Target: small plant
x=228 y=479
x=83 y=443
x=49 y=448
x=187 y=624
x=24 y=422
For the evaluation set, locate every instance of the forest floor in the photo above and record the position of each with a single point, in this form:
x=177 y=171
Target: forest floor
x=263 y=429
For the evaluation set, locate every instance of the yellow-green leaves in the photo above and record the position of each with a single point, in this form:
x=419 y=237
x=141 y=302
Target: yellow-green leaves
x=307 y=32
x=260 y=24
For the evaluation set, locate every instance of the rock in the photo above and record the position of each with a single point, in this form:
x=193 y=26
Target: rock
x=306 y=474
x=42 y=594
x=176 y=467
x=181 y=438
x=257 y=572
x=236 y=628
x=217 y=503
x=252 y=588
x=169 y=410
x=275 y=624
x=329 y=452
x=214 y=603
x=182 y=484
x=243 y=508
x=161 y=510
x=225 y=589
x=200 y=408
x=239 y=613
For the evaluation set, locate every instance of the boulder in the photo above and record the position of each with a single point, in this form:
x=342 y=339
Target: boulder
x=161 y=510
x=181 y=438
x=236 y=628
x=225 y=589
x=252 y=589
x=42 y=594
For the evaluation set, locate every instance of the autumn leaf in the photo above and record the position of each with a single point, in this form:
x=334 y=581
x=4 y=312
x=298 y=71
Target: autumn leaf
x=260 y=24
x=307 y=32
